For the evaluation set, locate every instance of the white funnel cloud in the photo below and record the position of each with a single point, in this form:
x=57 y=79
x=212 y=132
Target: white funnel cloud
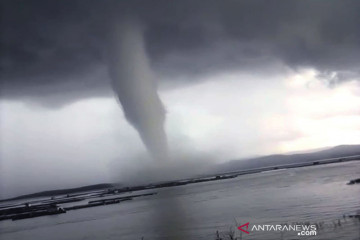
x=133 y=82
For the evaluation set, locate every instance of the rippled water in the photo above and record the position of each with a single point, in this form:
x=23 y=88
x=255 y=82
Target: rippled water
x=197 y=211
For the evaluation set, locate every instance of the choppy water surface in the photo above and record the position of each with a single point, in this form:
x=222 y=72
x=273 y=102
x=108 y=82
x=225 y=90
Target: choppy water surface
x=197 y=211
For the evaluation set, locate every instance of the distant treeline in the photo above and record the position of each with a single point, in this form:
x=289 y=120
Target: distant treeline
x=64 y=191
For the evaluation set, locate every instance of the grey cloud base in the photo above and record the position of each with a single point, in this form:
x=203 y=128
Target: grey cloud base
x=56 y=47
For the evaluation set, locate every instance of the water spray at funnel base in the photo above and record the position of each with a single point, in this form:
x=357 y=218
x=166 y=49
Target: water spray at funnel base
x=133 y=82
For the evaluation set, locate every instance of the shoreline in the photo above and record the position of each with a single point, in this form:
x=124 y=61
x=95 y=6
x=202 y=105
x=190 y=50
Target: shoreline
x=173 y=183
x=51 y=205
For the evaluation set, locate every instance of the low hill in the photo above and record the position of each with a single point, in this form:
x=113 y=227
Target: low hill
x=281 y=159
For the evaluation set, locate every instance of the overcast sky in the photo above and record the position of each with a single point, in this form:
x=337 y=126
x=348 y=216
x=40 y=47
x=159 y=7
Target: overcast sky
x=237 y=79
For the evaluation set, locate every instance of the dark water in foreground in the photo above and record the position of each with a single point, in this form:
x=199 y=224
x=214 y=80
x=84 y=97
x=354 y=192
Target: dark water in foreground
x=197 y=211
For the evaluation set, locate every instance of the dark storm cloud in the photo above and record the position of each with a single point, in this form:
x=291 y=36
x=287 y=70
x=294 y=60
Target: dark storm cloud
x=57 y=47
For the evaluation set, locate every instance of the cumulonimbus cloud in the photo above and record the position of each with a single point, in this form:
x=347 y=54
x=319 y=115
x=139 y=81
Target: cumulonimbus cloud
x=49 y=47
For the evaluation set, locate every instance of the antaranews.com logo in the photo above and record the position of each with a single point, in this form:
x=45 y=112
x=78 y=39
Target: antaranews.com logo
x=300 y=229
